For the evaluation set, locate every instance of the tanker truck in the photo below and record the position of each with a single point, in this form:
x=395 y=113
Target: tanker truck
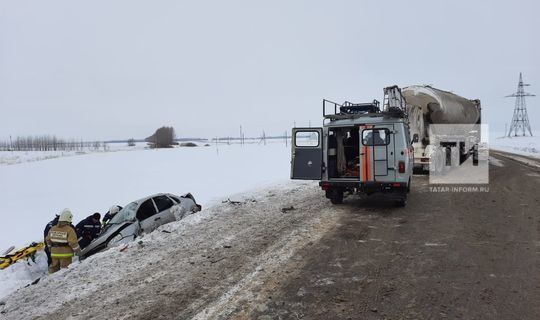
x=428 y=106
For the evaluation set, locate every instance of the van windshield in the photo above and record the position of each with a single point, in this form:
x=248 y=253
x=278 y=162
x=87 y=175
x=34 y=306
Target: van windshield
x=126 y=214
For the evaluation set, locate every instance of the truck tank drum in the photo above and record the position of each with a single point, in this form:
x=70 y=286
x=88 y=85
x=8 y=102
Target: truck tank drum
x=441 y=107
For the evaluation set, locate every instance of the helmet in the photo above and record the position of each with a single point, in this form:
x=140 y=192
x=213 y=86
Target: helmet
x=114 y=209
x=66 y=216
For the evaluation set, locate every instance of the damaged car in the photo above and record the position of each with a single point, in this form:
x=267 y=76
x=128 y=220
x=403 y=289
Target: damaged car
x=142 y=216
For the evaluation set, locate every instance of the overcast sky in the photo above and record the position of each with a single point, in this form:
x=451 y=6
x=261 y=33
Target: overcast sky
x=120 y=69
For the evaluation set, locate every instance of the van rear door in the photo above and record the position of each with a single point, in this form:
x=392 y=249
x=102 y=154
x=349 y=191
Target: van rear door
x=377 y=153
x=307 y=154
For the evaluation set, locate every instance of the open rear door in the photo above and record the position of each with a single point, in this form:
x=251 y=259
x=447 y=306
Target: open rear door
x=307 y=153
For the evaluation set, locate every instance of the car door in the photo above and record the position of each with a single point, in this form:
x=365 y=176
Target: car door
x=146 y=214
x=163 y=205
x=307 y=154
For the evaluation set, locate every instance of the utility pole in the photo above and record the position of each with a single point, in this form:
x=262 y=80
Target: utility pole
x=520 y=120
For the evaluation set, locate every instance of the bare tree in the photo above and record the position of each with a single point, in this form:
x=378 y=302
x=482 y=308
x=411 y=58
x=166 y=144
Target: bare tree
x=162 y=138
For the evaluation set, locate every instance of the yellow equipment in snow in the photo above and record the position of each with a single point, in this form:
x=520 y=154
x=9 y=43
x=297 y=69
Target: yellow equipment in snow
x=26 y=252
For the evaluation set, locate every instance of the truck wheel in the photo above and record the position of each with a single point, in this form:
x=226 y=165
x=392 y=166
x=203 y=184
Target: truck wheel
x=336 y=196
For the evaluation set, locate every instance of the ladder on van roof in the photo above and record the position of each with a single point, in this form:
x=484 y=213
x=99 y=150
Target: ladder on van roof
x=394 y=103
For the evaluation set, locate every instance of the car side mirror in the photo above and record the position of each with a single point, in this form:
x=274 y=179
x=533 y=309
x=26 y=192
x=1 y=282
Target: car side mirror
x=415 y=137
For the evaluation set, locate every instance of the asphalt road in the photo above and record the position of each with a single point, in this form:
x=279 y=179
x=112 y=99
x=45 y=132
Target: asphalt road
x=455 y=255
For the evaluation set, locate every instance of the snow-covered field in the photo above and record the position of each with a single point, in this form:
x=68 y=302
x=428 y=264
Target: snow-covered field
x=32 y=191
x=527 y=146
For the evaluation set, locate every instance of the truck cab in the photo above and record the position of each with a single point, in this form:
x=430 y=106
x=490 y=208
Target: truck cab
x=359 y=150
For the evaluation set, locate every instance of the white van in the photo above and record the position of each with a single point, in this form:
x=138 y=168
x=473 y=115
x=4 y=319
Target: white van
x=358 y=150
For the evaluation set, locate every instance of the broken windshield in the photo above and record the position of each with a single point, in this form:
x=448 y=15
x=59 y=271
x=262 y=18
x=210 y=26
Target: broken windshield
x=126 y=214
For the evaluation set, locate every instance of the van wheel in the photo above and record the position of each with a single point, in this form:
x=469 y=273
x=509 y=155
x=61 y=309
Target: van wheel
x=336 y=196
x=401 y=201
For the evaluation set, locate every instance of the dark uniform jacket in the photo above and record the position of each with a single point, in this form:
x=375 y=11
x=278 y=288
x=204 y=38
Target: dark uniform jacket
x=87 y=230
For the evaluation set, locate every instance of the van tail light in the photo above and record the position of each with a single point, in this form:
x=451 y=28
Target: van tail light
x=401 y=167
x=325 y=186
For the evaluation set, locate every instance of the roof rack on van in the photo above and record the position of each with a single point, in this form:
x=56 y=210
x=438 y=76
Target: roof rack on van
x=349 y=110
x=394 y=106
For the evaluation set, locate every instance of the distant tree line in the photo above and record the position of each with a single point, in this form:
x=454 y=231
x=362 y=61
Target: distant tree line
x=48 y=143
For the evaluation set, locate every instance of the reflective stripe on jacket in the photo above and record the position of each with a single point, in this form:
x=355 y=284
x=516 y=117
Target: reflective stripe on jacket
x=62 y=240
x=61 y=255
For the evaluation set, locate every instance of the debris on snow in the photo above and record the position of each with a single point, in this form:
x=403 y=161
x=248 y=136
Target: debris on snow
x=288 y=209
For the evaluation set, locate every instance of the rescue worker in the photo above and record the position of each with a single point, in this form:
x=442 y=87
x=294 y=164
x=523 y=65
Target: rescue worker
x=62 y=240
x=111 y=213
x=88 y=229
x=48 y=227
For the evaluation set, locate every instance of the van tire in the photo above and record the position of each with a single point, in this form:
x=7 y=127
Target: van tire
x=336 y=196
x=401 y=201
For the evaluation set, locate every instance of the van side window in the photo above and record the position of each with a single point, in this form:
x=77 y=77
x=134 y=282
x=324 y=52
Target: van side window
x=375 y=137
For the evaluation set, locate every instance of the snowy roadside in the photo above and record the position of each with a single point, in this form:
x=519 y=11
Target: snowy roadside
x=185 y=264
x=525 y=146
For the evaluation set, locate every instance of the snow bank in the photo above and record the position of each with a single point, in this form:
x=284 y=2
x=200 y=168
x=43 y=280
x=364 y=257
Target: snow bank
x=185 y=247
x=527 y=146
x=22 y=273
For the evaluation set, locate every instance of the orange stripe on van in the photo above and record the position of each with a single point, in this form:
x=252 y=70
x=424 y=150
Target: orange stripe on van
x=362 y=155
x=364 y=166
x=368 y=158
x=368 y=162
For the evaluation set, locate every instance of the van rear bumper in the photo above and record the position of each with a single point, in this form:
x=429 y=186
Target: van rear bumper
x=365 y=187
